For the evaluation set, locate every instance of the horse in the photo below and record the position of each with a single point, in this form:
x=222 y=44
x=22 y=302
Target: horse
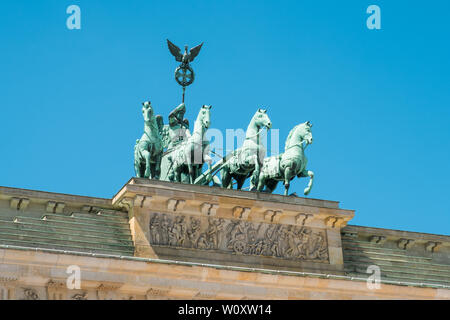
x=148 y=149
x=291 y=163
x=247 y=159
x=192 y=153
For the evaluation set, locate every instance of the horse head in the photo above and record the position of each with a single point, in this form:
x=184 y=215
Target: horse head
x=300 y=133
x=204 y=116
x=147 y=111
x=261 y=119
x=305 y=133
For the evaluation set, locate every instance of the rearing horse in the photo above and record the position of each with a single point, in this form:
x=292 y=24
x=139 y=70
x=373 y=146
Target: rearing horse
x=148 y=150
x=247 y=159
x=194 y=152
x=289 y=164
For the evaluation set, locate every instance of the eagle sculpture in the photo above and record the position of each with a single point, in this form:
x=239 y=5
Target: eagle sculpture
x=187 y=56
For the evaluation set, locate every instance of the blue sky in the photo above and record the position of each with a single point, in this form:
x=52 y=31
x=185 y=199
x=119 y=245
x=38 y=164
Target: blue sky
x=379 y=99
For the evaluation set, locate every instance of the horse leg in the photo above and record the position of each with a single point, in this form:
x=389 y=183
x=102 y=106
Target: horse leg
x=152 y=171
x=191 y=173
x=261 y=182
x=240 y=181
x=271 y=185
x=255 y=175
x=190 y=167
x=152 y=165
x=177 y=174
x=137 y=172
x=287 y=179
x=146 y=156
x=158 y=166
x=310 y=174
x=137 y=168
x=226 y=177
x=208 y=161
x=196 y=172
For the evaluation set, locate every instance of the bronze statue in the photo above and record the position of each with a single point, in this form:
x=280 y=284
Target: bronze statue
x=246 y=161
x=170 y=153
x=148 y=150
x=184 y=74
x=194 y=152
x=289 y=164
x=177 y=130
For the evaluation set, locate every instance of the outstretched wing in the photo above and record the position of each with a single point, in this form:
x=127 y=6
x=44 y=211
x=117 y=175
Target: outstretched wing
x=194 y=52
x=175 y=51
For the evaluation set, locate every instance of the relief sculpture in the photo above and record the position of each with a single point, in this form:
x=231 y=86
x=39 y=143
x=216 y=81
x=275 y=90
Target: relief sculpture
x=239 y=237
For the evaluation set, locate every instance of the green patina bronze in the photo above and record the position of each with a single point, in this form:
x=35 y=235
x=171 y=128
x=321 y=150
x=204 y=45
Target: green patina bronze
x=184 y=74
x=173 y=134
x=188 y=157
x=177 y=130
x=289 y=164
x=246 y=161
x=148 y=149
x=170 y=153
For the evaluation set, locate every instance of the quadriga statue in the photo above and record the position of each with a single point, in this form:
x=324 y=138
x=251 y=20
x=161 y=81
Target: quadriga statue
x=289 y=164
x=148 y=149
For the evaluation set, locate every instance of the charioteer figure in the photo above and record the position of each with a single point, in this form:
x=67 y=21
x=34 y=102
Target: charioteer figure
x=177 y=130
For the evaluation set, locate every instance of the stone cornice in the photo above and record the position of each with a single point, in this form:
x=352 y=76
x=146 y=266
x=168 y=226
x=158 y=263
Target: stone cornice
x=397 y=235
x=233 y=204
x=135 y=184
x=43 y=197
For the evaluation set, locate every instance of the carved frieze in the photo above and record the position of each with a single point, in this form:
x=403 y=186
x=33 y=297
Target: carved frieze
x=204 y=296
x=80 y=296
x=153 y=293
x=30 y=294
x=107 y=291
x=238 y=237
x=56 y=290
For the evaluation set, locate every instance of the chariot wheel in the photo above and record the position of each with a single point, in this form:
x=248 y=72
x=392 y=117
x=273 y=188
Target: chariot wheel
x=239 y=246
x=184 y=75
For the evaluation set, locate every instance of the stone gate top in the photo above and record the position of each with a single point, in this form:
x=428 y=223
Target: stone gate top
x=210 y=224
x=157 y=239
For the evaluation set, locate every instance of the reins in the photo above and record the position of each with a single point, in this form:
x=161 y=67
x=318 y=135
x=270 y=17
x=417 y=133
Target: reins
x=255 y=135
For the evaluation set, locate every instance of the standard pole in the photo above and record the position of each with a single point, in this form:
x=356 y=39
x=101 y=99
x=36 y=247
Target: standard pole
x=184 y=89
